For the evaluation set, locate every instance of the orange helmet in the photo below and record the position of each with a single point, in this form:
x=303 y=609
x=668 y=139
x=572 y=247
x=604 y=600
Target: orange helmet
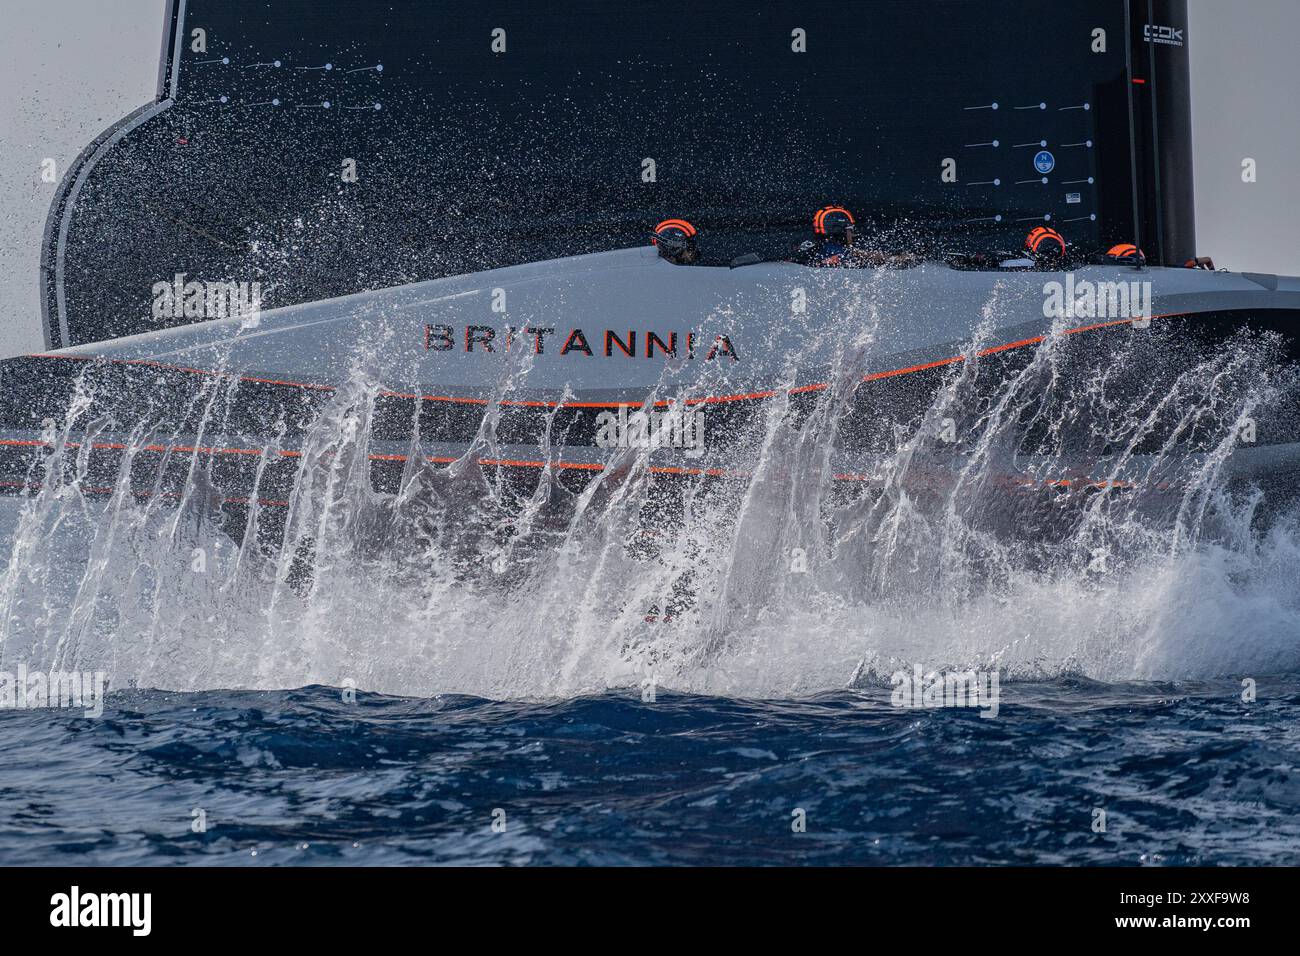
x=1125 y=252
x=671 y=229
x=1039 y=241
x=675 y=239
x=832 y=221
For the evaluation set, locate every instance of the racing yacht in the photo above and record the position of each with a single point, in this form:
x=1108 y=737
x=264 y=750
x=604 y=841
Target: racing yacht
x=460 y=304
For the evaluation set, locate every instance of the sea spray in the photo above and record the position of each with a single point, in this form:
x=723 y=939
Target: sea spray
x=1076 y=512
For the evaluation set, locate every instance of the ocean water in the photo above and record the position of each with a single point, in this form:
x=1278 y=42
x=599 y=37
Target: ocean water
x=464 y=672
x=1187 y=773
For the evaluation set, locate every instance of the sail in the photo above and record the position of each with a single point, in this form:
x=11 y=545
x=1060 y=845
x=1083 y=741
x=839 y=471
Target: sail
x=300 y=154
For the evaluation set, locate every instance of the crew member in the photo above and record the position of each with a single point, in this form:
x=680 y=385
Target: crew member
x=1046 y=247
x=1126 y=254
x=675 y=240
x=832 y=245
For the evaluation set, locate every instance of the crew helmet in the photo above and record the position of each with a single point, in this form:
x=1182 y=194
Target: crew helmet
x=674 y=237
x=833 y=221
x=1126 y=253
x=1045 y=242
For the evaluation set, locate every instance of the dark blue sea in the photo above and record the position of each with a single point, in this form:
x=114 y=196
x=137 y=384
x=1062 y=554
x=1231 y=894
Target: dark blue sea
x=1185 y=773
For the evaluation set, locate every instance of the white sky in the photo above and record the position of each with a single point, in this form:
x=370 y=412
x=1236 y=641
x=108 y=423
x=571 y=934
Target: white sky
x=1245 y=87
x=70 y=68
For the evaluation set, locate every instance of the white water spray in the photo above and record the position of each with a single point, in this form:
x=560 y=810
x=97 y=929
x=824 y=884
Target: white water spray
x=1066 y=528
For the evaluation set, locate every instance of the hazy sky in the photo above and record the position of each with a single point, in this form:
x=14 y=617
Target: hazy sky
x=1245 y=84
x=70 y=68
